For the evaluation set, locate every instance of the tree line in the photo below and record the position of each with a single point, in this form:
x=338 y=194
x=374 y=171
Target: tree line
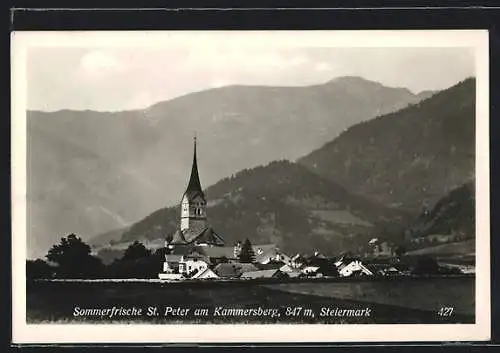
x=72 y=258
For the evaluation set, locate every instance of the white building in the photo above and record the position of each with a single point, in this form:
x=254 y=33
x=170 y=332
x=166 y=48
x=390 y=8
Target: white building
x=179 y=266
x=190 y=267
x=352 y=267
x=309 y=270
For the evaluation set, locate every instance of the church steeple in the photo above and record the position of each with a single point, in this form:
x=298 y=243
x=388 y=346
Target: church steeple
x=194 y=204
x=194 y=184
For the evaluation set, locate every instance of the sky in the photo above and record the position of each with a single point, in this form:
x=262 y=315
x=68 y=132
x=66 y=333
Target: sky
x=111 y=78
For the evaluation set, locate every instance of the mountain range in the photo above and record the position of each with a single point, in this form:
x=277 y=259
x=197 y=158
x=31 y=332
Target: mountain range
x=426 y=149
x=282 y=203
x=407 y=159
x=92 y=172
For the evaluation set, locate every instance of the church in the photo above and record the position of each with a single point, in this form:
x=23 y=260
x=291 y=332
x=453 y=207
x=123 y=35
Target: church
x=194 y=229
x=196 y=248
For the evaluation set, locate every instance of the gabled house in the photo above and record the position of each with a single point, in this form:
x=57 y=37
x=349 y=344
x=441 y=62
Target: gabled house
x=310 y=270
x=265 y=253
x=352 y=267
x=290 y=271
x=382 y=269
x=180 y=266
x=171 y=263
x=205 y=274
x=191 y=266
x=298 y=261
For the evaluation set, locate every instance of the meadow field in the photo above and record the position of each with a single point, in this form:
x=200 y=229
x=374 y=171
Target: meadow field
x=392 y=301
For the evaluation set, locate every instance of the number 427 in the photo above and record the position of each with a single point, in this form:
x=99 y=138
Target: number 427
x=445 y=311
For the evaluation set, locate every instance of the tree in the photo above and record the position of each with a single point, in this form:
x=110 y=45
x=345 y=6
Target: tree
x=426 y=265
x=399 y=251
x=38 y=269
x=160 y=253
x=327 y=268
x=138 y=262
x=74 y=260
x=247 y=254
x=136 y=251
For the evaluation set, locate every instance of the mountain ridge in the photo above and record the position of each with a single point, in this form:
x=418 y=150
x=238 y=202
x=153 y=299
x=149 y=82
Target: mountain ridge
x=295 y=209
x=300 y=209
x=431 y=153
x=89 y=169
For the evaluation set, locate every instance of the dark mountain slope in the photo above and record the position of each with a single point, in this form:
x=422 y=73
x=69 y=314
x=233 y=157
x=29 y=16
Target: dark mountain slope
x=453 y=214
x=409 y=158
x=281 y=203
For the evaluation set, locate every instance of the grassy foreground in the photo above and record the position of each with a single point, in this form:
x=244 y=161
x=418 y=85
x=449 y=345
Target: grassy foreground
x=163 y=303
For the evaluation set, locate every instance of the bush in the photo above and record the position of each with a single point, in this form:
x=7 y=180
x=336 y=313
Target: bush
x=426 y=265
x=38 y=269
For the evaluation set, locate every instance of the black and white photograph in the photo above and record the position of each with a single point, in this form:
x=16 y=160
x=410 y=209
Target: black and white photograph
x=230 y=185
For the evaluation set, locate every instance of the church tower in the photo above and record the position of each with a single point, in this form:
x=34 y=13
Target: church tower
x=194 y=204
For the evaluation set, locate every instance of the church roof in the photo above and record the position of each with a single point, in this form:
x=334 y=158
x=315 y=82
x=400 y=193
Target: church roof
x=182 y=249
x=194 y=185
x=197 y=234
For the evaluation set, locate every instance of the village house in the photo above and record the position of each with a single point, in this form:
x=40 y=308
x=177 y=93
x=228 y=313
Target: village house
x=351 y=267
x=180 y=266
x=205 y=274
x=310 y=270
x=297 y=261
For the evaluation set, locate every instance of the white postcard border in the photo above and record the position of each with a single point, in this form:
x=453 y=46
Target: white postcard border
x=168 y=333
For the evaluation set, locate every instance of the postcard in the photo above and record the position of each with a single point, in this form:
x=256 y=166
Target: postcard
x=250 y=186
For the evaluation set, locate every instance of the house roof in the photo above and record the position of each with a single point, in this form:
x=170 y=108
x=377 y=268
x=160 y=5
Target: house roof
x=286 y=268
x=233 y=269
x=181 y=249
x=217 y=251
x=264 y=251
x=173 y=258
x=204 y=272
x=260 y=274
x=196 y=255
x=227 y=270
x=209 y=236
x=361 y=265
x=270 y=265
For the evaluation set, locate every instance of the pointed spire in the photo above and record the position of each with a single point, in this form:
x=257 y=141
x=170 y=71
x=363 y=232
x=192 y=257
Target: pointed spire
x=194 y=180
